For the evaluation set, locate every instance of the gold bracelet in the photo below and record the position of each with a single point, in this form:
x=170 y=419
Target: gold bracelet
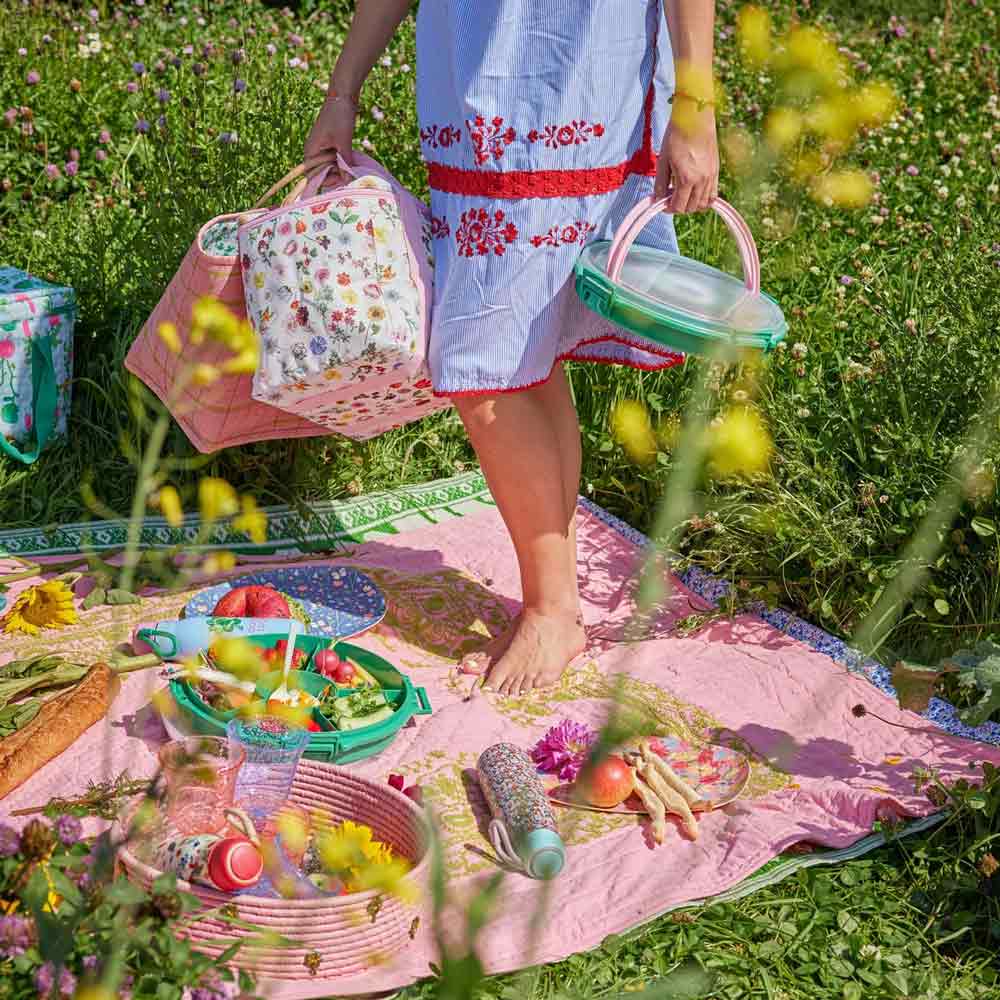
x=690 y=97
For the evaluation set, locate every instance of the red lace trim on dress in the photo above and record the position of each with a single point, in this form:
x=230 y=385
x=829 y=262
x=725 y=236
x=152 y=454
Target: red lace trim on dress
x=490 y=141
x=573 y=134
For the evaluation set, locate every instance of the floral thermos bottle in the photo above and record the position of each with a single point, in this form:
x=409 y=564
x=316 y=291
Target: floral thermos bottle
x=523 y=830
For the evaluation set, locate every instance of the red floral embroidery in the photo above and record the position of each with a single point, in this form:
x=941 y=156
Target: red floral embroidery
x=573 y=134
x=489 y=140
x=440 y=136
x=480 y=232
x=559 y=236
x=439 y=228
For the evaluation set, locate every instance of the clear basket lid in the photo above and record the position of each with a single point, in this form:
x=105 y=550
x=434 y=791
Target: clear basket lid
x=686 y=293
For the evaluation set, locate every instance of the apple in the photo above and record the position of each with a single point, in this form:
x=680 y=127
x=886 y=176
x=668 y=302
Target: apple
x=608 y=784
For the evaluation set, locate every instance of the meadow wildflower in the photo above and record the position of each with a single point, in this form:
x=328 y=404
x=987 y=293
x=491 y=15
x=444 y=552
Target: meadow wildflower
x=33 y=77
x=72 y=168
x=163 y=95
x=139 y=68
x=132 y=87
x=239 y=85
x=52 y=171
x=142 y=126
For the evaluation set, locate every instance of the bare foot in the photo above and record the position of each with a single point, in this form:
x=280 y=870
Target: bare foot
x=541 y=649
x=480 y=661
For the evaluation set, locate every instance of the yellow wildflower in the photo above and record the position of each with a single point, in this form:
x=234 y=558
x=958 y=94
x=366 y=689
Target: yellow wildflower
x=252 y=521
x=204 y=374
x=875 y=103
x=350 y=296
x=805 y=167
x=376 y=312
x=846 y=188
x=833 y=118
x=809 y=48
x=632 y=429
x=753 y=26
x=45 y=605
x=740 y=444
x=169 y=502
x=238 y=656
x=244 y=362
x=293 y=830
x=218 y=562
x=212 y=319
x=167 y=332
x=216 y=498
x=782 y=128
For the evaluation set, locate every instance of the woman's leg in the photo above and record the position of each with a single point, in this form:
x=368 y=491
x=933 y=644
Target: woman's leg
x=520 y=439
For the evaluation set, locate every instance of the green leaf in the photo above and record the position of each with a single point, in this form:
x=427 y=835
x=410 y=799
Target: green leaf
x=899 y=981
x=852 y=991
x=982 y=710
x=125 y=893
x=97 y=596
x=846 y=922
x=984 y=527
x=942 y=607
x=914 y=684
x=119 y=596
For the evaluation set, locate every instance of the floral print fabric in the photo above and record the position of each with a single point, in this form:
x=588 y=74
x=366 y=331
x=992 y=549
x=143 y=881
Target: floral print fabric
x=29 y=308
x=332 y=290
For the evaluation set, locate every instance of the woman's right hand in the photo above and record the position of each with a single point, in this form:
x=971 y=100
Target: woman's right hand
x=333 y=130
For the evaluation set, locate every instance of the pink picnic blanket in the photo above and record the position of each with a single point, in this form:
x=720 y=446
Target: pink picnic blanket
x=820 y=774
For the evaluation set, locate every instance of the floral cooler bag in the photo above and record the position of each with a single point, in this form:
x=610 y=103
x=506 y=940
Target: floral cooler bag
x=339 y=287
x=36 y=362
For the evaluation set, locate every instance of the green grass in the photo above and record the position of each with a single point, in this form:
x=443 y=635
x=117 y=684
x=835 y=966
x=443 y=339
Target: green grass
x=866 y=421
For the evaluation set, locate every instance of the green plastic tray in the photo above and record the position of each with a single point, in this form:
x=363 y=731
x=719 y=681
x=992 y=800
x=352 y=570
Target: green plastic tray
x=332 y=746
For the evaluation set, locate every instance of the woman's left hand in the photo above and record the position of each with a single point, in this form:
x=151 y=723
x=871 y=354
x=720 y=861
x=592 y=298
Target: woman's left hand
x=689 y=163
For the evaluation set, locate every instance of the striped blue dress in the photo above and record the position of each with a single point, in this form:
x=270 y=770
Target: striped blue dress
x=539 y=121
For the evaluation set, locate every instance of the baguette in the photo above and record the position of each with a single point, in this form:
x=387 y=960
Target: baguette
x=59 y=723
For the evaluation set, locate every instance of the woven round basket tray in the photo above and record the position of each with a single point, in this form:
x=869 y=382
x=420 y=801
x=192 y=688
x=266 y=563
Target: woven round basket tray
x=349 y=934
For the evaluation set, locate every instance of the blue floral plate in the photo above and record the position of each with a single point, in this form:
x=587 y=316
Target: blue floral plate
x=340 y=602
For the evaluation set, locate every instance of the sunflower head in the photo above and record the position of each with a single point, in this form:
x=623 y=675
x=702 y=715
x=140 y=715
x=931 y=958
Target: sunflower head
x=45 y=605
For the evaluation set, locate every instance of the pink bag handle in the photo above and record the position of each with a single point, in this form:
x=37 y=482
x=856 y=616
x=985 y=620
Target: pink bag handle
x=648 y=209
x=308 y=169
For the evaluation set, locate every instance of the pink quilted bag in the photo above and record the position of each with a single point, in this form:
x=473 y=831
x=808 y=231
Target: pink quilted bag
x=224 y=413
x=339 y=286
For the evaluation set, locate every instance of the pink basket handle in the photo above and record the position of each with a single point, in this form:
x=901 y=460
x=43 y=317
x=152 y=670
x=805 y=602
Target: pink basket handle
x=319 y=176
x=648 y=209
x=299 y=173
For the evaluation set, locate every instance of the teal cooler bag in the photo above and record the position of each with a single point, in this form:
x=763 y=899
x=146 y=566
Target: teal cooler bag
x=36 y=362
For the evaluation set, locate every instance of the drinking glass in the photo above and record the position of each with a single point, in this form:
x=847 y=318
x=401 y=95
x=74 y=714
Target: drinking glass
x=272 y=748
x=200 y=775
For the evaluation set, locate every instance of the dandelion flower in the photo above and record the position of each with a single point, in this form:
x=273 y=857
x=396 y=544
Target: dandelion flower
x=45 y=605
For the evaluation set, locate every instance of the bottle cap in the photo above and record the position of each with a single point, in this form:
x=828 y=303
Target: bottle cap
x=543 y=853
x=235 y=864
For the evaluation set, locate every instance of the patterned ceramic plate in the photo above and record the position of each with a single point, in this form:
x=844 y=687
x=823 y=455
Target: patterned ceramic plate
x=716 y=773
x=340 y=602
